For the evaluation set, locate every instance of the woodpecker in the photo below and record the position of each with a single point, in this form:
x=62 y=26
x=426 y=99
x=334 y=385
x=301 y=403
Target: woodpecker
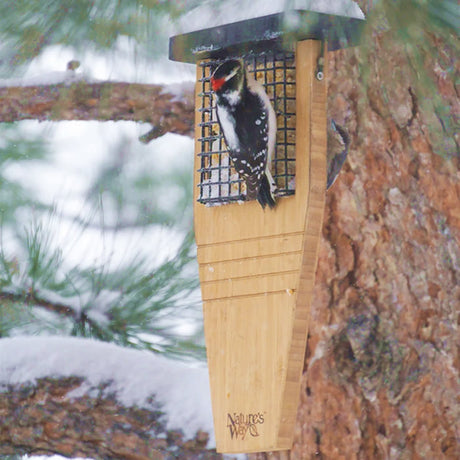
x=338 y=142
x=248 y=123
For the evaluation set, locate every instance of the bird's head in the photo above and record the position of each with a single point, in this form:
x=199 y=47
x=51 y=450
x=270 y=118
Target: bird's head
x=229 y=76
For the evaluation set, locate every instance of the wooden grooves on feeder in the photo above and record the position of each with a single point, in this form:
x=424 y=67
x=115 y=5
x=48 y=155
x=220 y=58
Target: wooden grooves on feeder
x=257 y=271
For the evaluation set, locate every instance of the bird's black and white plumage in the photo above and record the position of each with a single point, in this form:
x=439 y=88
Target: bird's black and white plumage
x=248 y=123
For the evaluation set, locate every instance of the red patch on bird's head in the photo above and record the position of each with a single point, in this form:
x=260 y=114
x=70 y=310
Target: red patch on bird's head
x=217 y=83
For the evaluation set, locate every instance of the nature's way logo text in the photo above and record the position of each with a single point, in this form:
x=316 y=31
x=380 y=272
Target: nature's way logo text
x=240 y=424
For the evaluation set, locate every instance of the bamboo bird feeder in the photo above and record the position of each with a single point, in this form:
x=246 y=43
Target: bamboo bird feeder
x=257 y=268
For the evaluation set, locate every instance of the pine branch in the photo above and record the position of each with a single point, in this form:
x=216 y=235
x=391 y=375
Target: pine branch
x=104 y=101
x=55 y=307
x=31 y=299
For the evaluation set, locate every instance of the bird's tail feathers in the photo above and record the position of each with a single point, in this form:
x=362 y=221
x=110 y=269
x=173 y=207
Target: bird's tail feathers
x=266 y=195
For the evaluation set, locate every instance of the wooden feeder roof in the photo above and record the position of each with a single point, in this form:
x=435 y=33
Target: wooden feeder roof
x=274 y=31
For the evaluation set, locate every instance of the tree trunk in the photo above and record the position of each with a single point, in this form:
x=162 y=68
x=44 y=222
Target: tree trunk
x=381 y=377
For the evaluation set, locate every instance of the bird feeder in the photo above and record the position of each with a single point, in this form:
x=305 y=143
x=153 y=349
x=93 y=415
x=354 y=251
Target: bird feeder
x=257 y=267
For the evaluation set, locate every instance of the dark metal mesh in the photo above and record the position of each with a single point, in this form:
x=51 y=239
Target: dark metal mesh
x=219 y=182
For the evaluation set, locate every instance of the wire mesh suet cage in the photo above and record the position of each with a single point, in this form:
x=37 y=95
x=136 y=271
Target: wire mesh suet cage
x=219 y=182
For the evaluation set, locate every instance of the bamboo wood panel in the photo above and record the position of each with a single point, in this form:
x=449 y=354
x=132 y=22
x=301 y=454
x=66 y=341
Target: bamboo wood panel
x=257 y=272
x=313 y=224
x=231 y=250
x=255 y=284
x=247 y=266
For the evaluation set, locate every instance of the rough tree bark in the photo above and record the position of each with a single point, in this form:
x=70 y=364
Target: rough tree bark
x=381 y=378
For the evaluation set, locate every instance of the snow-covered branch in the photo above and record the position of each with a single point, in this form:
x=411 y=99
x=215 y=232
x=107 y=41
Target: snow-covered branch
x=88 y=398
x=166 y=108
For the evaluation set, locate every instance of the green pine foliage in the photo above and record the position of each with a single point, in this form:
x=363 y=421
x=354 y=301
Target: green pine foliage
x=28 y=26
x=141 y=302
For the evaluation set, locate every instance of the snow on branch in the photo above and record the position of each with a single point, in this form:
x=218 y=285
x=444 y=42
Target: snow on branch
x=83 y=397
x=167 y=109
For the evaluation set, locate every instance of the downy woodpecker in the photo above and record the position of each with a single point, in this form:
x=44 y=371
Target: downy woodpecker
x=337 y=151
x=248 y=123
